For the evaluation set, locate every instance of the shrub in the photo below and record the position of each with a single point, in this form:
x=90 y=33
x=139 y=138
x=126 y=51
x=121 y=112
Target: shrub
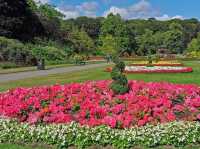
x=193 y=54
x=48 y=53
x=8 y=65
x=15 y=51
x=150 y=60
x=120 y=82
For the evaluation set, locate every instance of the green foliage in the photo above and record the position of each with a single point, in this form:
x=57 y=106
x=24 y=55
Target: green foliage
x=146 y=43
x=120 y=82
x=15 y=51
x=194 y=46
x=18 y=21
x=48 y=53
x=90 y=25
x=49 y=11
x=115 y=29
x=81 y=42
x=79 y=59
x=150 y=60
x=109 y=44
x=173 y=38
x=8 y=65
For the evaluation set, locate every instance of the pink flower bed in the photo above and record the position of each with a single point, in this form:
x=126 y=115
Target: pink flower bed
x=92 y=103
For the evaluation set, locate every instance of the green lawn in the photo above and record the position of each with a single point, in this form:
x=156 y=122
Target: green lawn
x=33 y=68
x=33 y=146
x=99 y=74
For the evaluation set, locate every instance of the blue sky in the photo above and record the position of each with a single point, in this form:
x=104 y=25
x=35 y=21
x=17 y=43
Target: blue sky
x=129 y=9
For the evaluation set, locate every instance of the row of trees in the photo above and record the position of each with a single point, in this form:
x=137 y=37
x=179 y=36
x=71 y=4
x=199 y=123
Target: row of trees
x=24 y=20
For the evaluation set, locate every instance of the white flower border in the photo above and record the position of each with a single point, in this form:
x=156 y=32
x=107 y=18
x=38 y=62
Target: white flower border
x=62 y=135
x=146 y=68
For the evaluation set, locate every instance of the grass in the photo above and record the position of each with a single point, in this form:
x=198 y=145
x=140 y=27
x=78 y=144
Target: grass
x=100 y=74
x=34 y=68
x=24 y=69
x=22 y=146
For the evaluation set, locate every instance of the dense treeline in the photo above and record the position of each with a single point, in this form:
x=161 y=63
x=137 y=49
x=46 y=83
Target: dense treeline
x=44 y=32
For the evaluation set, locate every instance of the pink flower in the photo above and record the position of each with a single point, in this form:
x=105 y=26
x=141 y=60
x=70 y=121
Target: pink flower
x=93 y=103
x=198 y=116
x=141 y=122
x=33 y=118
x=110 y=121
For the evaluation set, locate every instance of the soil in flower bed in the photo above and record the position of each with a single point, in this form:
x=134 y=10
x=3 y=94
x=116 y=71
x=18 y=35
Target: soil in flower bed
x=93 y=104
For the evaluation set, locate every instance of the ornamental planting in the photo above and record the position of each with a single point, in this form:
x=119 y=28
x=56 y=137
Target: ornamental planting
x=94 y=103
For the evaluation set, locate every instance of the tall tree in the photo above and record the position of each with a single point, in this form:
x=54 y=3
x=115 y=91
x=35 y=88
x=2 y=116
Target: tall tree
x=90 y=25
x=174 y=38
x=116 y=27
x=109 y=44
x=81 y=42
x=146 y=43
x=194 y=45
x=18 y=21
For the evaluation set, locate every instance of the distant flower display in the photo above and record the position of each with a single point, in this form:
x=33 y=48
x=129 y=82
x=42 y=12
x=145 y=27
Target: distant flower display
x=157 y=69
x=159 y=63
x=93 y=103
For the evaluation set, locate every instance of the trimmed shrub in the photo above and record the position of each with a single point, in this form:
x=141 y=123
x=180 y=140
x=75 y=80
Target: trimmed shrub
x=120 y=82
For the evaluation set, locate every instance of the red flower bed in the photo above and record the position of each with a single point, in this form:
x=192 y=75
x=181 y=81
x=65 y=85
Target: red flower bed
x=92 y=103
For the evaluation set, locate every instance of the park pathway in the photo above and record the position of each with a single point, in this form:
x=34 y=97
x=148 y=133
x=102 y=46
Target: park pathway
x=32 y=74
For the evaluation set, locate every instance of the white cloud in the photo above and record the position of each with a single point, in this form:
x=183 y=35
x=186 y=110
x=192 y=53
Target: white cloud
x=42 y=1
x=115 y=10
x=142 y=9
x=85 y=9
x=178 y=17
x=88 y=8
x=69 y=13
x=167 y=17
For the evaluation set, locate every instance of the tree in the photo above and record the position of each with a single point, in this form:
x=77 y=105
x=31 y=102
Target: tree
x=194 y=45
x=50 y=12
x=90 y=25
x=116 y=27
x=18 y=21
x=174 y=38
x=146 y=43
x=81 y=42
x=109 y=44
x=114 y=41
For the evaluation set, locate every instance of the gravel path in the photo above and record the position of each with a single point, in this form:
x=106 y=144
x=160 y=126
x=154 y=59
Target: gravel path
x=32 y=74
